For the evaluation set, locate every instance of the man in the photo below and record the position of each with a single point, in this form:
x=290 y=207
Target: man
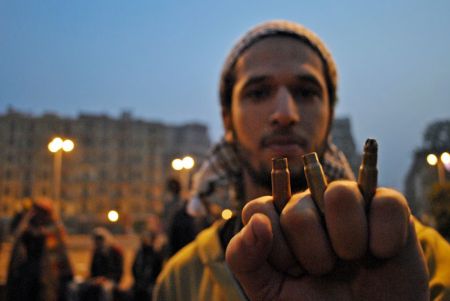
x=146 y=267
x=179 y=225
x=107 y=260
x=39 y=267
x=106 y=269
x=278 y=92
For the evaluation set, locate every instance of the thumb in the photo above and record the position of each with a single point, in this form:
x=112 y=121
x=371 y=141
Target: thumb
x=247 y=255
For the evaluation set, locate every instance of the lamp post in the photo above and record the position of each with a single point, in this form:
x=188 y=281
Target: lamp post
x=113 y=216
x=58 y=146
x=441 y=163
x=184 y=166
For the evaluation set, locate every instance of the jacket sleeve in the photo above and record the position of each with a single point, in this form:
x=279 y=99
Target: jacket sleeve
x=437 y=254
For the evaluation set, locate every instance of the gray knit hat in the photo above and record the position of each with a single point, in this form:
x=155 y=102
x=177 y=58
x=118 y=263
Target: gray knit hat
x=273 y=28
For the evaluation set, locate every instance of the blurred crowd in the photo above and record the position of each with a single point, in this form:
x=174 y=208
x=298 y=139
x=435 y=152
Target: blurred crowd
x=39 y=267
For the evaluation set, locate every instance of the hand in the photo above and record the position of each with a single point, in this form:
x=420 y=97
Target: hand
x=344 y=254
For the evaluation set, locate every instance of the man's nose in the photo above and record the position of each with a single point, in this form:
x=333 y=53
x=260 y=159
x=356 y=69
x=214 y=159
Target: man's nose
x=286 y=111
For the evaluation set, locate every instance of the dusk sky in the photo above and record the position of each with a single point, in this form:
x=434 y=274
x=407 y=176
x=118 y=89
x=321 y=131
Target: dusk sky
x=161 y=60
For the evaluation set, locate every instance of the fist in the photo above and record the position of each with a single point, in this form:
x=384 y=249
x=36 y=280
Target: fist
x=348 y=252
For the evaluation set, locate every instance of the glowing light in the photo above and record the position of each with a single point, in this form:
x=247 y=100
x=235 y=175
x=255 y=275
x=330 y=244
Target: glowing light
x=68 y=145
x=445 y=158
x=177 y=164
x=227 y=214
x=55 y=145
x=113 y=216
x=188 y=162
x=432 y=159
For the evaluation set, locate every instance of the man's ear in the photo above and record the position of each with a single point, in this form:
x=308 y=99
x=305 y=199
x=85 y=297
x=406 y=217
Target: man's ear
x=227 y=124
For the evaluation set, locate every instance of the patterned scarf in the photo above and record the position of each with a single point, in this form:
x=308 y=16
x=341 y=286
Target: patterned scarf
x=219 y=178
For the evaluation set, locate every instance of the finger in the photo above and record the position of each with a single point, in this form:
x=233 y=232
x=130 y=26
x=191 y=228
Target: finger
x=409 y=265
x=388 y=223
x=346 y=219
x=280 y=257
x=247 y=255
x=305 y=233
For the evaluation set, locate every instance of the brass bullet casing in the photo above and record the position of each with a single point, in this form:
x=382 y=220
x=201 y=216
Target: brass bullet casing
x=281 y=183
x=368 y=172
x=315 y=178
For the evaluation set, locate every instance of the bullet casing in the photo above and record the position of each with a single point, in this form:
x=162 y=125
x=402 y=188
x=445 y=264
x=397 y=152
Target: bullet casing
x=281 y=183
x=315 y=178
x=368 y=182
x=368 y=172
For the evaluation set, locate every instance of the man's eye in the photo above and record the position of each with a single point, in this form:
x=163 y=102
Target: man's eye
x=307 y=94
x=258 y=93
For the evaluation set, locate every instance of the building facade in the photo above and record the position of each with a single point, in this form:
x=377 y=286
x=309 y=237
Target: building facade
x=119 y=164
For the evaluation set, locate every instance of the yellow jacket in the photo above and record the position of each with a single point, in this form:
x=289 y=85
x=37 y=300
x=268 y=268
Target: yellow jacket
x=437 y=255
x=198 y=272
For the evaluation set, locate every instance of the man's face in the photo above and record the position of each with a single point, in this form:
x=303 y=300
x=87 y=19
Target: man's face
x=280 y=105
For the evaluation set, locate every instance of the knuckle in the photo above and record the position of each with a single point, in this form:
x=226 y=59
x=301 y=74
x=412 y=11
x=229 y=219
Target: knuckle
x=340 y=195
x=298 y=217
x=259 y=205
x=341 y=189
x=389 y=222
x=389 y=200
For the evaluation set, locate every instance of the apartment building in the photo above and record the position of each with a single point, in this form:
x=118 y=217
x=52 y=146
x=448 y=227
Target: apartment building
x=117 y=163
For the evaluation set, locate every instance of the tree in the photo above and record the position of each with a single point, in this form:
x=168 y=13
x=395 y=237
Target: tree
x=437 y=136
x=440 y=208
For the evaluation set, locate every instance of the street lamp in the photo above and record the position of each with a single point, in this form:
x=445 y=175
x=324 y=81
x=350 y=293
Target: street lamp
x=227 y=214
x=442 y=162
x=58 y=146
x=184 y=166
x=185 y=163
x=113 y=216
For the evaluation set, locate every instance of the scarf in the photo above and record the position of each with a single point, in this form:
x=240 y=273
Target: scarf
x=219 y=178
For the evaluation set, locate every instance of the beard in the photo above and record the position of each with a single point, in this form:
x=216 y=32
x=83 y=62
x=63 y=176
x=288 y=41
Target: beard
x=261 y=174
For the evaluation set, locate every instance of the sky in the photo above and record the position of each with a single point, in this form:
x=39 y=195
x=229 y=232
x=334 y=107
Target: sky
x=161 y=60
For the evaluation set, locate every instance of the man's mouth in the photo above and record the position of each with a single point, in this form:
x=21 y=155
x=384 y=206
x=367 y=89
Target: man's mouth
x=285 y=145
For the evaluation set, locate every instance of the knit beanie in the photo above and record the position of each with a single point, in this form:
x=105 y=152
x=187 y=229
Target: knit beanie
x=277 y=28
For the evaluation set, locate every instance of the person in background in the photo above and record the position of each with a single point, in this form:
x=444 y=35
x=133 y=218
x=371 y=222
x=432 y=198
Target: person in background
x=180 y=226
x=172 y=202
x=39 y=268
x=146 y=266
x=106 y=270
x=107 y=261
x=278 y=92
x=155 y=225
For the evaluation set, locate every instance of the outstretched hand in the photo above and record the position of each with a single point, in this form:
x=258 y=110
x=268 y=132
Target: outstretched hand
x=346 y=253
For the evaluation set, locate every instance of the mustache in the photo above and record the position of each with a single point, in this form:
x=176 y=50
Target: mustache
x=283 y=136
